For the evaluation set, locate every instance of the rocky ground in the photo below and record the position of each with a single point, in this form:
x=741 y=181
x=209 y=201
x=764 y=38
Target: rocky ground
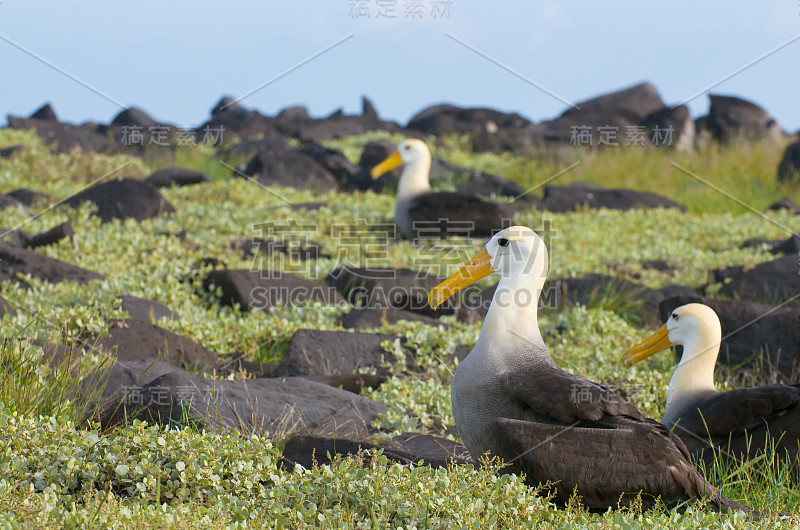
x=200 y=307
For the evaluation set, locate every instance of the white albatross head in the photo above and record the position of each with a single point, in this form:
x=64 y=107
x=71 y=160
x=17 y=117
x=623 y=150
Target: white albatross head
x=411 y=152
x=517 y=254
x=696 y=327
x=416 y=158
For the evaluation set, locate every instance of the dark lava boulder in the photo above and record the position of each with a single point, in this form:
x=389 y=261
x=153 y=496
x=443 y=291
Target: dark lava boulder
x=754 y=335
x=134 y=117
x=289 y=168
x=264 y=251
x=408 y=448
x=784 y=204
x=233 y=120
x=489 y=129
x=371 y=317
x=257 y=289
x=8 y=152
x=313 y=352
x=28 y=197
x=670 y=126
x=634 y=103
x=274 y=407
x=374 y=153
x=143 y=309
x=45 y=112
x=176 y=176
x=242 y=151
x=731 y=118
x=123 y=198
x=118 y=383
x=789 y=168
x=339 y=125
x=9 y=202
x=448 y=119
x=16 y=260
x=772 y=282
x=132 y=340
x=331 y=159
x=50 y=237
x=617 y=294
x=381 y=288
x=606 y=118
x=481 y=183
x=575 y=197
x=779 y=246
x=65 y=137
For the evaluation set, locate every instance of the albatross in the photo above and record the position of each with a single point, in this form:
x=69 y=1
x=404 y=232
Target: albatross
x=735 y=423
x=421 y=211
x=511 y=401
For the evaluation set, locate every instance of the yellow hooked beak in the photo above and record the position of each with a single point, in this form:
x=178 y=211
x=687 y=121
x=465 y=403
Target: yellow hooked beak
x=389 y=164
x=478 y=267
x=656 y=343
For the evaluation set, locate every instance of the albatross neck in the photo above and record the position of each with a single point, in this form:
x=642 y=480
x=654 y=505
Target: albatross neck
x=414 y=179
x=695 y=372
x=511 y=325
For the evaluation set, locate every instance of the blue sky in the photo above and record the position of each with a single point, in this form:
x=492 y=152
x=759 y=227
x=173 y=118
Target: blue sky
x=176 y=58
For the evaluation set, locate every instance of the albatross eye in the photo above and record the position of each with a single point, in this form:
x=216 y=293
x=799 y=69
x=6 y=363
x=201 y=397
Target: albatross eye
x=675 y=316
x=503 y=242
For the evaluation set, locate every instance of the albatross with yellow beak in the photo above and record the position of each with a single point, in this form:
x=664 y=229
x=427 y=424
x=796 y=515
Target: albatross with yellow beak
x=735 y=423
x=510 y=400
x=421 y=211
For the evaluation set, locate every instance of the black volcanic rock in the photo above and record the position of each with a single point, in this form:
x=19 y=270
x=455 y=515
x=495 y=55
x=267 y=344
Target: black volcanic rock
x=27 y=197
x=770 y=283
x=331 y=159
x=607 y=117
x=575 y=197
x=449 y=119
x=731 y=118
x=634 y=103
x=54 y=235
x=289 y=168
x=256 y=289
x=124 y=198
x=236 y=121
x=313 y=352
x=65 y=137
x=133 y=339
x=45 y=112
x=16 y=260
x=271 y=406
x=146 y=310
x=406 y=449
x=9 y=202
x=176 y=176
x=8 y=152
x=670 y=126
x=789 y=168
x=374 y=152
x=134 y=117
x=370 y=317
x=784 y=204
